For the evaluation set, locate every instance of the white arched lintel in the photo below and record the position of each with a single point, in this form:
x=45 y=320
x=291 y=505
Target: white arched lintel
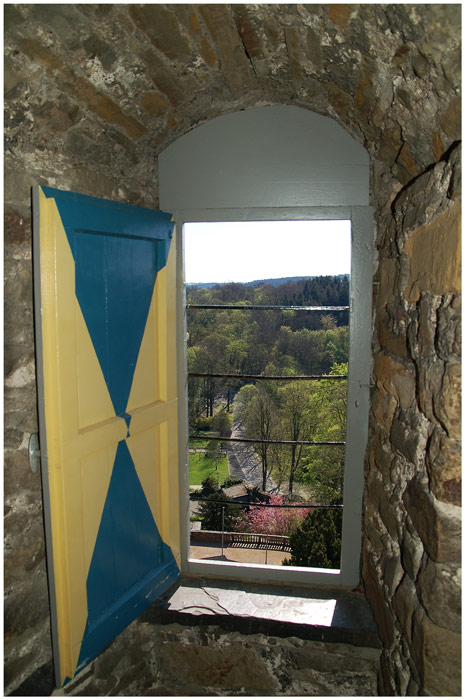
x=264 y=157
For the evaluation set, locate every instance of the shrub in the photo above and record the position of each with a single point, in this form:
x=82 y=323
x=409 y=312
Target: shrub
x=203 y=424
x=222 y=424
x=317 y=541
x=272 y=521
x=230 y=482
x=212 y=513
x=209 y=486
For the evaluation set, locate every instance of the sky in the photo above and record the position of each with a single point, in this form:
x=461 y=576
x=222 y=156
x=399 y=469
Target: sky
x=246 y=251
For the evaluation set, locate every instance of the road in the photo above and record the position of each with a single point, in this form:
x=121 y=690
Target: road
x=244 y=463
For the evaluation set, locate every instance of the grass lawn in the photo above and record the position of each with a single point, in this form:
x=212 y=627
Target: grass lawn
x=201 y=466
x=198 y=444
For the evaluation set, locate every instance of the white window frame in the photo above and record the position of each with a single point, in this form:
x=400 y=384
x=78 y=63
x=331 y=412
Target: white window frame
x=361 y=218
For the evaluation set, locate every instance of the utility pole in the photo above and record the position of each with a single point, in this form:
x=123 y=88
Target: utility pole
x=222 y=529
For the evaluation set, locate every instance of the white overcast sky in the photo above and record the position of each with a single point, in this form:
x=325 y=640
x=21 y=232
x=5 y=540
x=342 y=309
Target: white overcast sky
x=246 y=251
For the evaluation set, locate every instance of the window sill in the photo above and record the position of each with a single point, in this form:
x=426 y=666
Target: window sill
x=325 y=615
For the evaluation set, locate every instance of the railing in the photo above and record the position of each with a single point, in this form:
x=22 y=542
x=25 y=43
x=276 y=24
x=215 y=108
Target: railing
x=246 y=540
x=267 y=307
x=251 y=504
x=259 y=541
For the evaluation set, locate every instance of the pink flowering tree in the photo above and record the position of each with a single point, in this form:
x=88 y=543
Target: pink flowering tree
x=272 y=521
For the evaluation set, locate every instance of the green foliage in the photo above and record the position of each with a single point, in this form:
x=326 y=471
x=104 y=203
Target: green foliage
x=243 y=398
x=261 y=421
x=202 y=424
x=323 y=466
x=278 y=343
x=198 y=444
x=230 y=482
x=200 y=467
x=212 y=513
x=317 y=541
x=222 y=424
x=209 y=486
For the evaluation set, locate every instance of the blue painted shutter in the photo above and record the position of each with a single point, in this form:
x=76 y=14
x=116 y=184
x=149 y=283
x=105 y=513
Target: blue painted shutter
x=105 y=307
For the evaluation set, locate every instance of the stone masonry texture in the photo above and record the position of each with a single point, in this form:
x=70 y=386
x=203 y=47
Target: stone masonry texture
x=176 y=660
x=92 y=94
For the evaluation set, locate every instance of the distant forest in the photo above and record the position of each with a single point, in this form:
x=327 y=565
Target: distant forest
x=331 y=290
x=264 y=342
x=274 y=343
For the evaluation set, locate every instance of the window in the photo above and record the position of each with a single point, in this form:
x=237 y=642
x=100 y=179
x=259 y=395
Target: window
x=279 y=163
x=267 y=423
x=357 y=401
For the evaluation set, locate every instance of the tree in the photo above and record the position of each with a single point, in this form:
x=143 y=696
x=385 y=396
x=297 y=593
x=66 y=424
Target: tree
x=271 y=521
x=208 y=358
x=317 y=540
x=213 y=452
x=221 y=424
x=242 y=401
x=209 y=486
x=298 y=422
x=261 y=421
x=212 y=513
x=323 y=466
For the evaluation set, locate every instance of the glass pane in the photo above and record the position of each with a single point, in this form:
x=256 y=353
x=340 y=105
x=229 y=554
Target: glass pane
x=266 y=456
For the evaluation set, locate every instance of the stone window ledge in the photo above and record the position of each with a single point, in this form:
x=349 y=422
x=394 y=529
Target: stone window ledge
x=317 y=614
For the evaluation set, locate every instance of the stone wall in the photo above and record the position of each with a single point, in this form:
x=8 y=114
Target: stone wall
x=94 y=92
x=411 y=563
x=174 y=660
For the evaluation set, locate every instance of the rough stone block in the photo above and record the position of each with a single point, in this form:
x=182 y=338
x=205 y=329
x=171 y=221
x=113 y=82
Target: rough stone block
x=405 y=602
x=434 y=252
x=58 y=115
x=380 y=457
x=448 y=402
x=412 y=553
x=11 y=78
x=95 y=46
x=91 y=182
x=161 y=25
x=247 y=31
x=18 y=477
x=162 y=75
x=396 y=378
x=17 y=187
x=392 y=573
x=384 y=407
x=16 y=228
x=448 y=341
x=427 y=321
x=229 y=667
x=444 y=464
x=235 y=64
x=450 y=120
x=437 y=654
x=437 y=523
x=409 y=435
x=391 y=335
x=339 y=14
x=374 y=593
x=340 y=100
x=440 y=591
x=11 y=17
x=18 y=283
x=154 y=104
x=430 y=380
x=86 y=149
x=378 y=502
x=27 y=607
